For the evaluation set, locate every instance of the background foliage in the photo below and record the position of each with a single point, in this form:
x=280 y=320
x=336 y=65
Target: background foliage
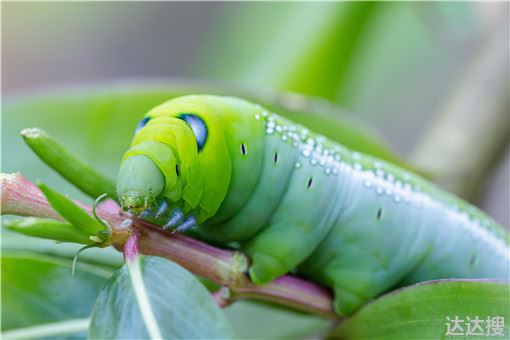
x=395 y=65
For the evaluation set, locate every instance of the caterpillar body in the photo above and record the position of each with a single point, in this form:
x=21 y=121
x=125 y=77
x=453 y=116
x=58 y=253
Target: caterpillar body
x=295 y=200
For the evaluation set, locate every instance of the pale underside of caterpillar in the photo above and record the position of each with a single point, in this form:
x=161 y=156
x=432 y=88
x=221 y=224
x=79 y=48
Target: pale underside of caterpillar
x=296 y=201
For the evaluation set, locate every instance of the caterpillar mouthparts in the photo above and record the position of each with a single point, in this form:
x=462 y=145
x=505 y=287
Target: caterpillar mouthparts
x=139 y=182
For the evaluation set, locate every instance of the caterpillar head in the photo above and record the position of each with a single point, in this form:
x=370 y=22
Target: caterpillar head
x=178 y=160
x=150 y=168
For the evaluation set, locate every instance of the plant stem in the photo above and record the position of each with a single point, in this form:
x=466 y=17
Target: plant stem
x=224 y=267
x=23 y=198
x=472 y=128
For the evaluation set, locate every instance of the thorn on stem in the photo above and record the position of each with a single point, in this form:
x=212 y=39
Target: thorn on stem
x=75 y=258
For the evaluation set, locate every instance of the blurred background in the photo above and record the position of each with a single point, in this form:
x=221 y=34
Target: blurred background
x=432 y=77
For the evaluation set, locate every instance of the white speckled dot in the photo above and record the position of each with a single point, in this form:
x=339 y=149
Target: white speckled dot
x=297 y=165
x=398 y=184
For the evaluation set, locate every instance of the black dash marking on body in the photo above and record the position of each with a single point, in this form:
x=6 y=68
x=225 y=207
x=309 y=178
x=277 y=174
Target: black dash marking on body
x=309 y=184
x=177 y=169
x=379 y=214
x=472 y=260
x=243 y=149
x=275 y=158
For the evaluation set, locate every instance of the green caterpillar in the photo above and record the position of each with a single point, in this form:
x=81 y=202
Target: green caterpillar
x=296 y=201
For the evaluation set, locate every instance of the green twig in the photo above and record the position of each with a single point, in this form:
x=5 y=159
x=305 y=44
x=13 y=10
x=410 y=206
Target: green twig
x=45 y=227
x=67 y=165
x=71 y=212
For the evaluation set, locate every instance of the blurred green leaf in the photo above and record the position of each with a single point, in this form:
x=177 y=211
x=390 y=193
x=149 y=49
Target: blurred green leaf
x=321 y=71
x=312 y=56
x=49 y=229
x=38 y=289
x=420 y=311
x=153 y=297
x=106 y=258
x=253 y=320
x=78 y=217
x=82 y=175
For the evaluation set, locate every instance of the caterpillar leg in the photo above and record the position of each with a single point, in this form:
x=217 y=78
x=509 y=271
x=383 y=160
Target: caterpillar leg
x=169 y=218
x=176 y=216
x=188 y=224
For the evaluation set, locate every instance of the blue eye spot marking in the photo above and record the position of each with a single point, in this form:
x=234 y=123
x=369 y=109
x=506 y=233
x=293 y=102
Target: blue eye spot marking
x=198 y=126
x=142 y=123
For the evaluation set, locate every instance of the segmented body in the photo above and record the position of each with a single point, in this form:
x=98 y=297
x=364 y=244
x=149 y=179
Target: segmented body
x=294 y=199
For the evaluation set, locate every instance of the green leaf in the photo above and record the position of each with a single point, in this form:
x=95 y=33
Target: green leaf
x=49 y=229
x=83 y=176
x=254 y=320
x=39 y=289
x=73 y=213
x=312 y=56
x=420 y=311
x=107 y=258
x=153 y=297
x=323 y=67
